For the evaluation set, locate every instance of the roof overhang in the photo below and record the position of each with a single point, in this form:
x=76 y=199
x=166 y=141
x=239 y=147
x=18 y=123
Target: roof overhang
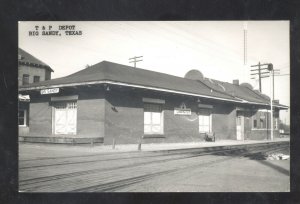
x=236 y=100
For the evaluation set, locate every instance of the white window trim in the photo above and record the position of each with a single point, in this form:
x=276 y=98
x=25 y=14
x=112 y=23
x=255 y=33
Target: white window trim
x=210 y=123
x=25 y=118
x=162 y=124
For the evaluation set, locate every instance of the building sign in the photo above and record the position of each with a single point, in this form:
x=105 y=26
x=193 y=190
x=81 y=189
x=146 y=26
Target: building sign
x=50 y=91
x=178 y=111
x=182 y=110
x=25 y=98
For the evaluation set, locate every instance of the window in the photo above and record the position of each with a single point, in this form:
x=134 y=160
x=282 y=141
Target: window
x=204 y=121
x=254 y=123
x=36 y=79
x=22 y=117
x=153 y=119
x=260 y=120
x=263 y=124
x=276 y=124
x=25 y=79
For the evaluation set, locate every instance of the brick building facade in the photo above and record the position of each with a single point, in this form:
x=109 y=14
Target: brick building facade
x=109 y=101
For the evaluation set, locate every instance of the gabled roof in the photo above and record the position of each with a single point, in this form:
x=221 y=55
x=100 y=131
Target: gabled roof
x=112 y=73
x=26 y=58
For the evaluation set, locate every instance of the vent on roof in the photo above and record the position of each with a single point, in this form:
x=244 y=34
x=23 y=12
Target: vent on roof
x=235 y=82
x=194 y=75
x=249 y=86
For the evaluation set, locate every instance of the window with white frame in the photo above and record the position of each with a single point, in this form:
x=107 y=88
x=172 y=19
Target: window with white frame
x=22 y=117
x=153 y=119
x=204 y=121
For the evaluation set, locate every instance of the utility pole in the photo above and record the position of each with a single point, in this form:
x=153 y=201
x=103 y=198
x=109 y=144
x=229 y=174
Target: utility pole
x=269 y=71
x=135 y=60
x=259 y=72
x=270 y=68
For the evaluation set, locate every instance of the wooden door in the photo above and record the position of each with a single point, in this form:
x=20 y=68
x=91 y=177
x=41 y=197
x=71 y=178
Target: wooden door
x=65 y=118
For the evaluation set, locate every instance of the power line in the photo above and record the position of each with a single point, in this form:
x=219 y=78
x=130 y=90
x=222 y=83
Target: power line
x=259 y=72
x=135 y=60
x=281 y=74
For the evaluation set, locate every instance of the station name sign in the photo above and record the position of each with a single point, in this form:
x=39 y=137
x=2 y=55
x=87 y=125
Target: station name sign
x=49 y=91
x=180 y=111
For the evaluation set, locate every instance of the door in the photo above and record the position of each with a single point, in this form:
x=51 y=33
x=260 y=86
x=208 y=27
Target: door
x=65 y=118
x=240 y=126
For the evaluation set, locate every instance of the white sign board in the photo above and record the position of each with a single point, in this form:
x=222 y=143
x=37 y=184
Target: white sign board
x=179 y=111
x=50 y=91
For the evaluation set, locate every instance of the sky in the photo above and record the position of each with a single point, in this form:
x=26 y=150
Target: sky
x=215 y=48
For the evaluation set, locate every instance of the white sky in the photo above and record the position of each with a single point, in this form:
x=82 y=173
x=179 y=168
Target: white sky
x=213 y=47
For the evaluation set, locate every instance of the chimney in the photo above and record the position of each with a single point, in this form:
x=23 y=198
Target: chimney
x=235 y=82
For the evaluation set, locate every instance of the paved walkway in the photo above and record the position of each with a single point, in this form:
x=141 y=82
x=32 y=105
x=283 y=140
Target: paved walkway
x=45 y=150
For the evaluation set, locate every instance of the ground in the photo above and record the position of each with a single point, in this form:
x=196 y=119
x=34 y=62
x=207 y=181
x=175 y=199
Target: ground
x=60 y=168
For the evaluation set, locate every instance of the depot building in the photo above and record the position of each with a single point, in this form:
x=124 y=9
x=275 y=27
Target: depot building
x=110 y=102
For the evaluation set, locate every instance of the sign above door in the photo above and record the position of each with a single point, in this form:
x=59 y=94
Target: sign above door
x=49 y=91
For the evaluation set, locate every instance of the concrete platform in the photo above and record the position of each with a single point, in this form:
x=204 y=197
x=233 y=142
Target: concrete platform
x=61 y=140
x=58 y=150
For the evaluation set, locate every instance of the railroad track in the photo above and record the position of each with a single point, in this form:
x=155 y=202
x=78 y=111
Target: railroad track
x=112 y=183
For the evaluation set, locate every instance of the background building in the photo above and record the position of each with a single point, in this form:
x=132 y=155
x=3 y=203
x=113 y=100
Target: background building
x=30 y=70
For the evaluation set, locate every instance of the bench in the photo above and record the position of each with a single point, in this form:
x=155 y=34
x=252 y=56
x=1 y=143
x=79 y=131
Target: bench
x=210 y=137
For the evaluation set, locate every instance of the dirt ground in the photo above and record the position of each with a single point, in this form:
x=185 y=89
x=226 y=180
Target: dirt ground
x=61 y=168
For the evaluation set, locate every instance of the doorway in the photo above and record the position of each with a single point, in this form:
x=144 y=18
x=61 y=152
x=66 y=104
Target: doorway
x=240 y=125
x=65 y=118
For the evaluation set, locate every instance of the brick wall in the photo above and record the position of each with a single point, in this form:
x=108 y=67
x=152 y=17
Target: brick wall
x=31 y=71
x=90 y=114
x=118 y=114
x=124 y=117
x=40 y=119
x=224 y=121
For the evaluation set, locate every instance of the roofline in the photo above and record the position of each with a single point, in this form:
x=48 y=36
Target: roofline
x=38 y=65
x=144 y=87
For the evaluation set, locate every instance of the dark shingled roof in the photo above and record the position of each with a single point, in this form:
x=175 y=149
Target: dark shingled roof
x=242 y=92
x=109 y=71
x=27 y=58
x=113 y=72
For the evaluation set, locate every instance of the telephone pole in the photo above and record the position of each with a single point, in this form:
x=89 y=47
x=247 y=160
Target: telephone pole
x=271 y=71
x=134 y=60
x=259 y=72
